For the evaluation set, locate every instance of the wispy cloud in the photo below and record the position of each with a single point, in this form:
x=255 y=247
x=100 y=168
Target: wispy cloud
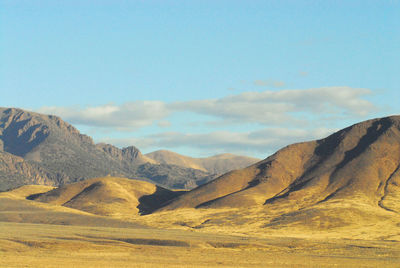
x=164 y=124
x=282 y=107
x=269 y=83
x=128 y=115
x=261 y=141
x=274 y=119
x=268 y=108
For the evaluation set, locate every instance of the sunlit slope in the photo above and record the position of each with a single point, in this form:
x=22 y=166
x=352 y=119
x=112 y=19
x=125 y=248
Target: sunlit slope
x=252 y=185
x=27 y=190
x=360 y=162
x=15 y=208
x=168 y=157
x=109 y=196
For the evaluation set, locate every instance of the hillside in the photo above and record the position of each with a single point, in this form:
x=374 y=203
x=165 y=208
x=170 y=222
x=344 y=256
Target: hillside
x=15 y=171
x=217 y=164
x=108 y=196
x=55 y=146
x=363 y=159
x=348 y=180
x=14 y=208
x=43 y=149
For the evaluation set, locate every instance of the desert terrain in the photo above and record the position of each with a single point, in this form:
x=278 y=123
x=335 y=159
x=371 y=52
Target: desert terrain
x=43 y=245
x=332 y=202
x=38 y=234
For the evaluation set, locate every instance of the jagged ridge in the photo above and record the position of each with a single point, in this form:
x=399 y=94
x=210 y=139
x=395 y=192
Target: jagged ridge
x=52 y=152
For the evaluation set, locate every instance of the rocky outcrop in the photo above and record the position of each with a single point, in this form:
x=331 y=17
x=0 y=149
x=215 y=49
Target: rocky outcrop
x=130 y=155
x=15 y=172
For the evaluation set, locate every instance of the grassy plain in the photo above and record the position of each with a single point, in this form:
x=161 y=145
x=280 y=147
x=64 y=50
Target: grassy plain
x=36 y=234
x=43 y=245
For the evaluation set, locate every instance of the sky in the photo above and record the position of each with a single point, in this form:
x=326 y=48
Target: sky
x=202 y=77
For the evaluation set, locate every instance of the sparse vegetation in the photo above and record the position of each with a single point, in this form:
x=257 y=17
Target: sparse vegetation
x=321 y=203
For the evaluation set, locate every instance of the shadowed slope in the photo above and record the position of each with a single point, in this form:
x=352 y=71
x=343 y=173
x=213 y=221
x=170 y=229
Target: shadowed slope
x=55 y=146
x=43 y=149
x=109 y=196
x=252 y=185
x=360 y=162
x=15 y=171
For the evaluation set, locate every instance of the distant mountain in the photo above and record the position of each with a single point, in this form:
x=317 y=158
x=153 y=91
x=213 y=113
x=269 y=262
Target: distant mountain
x=128 y=155
x=217 y=164
x=354 y=172
x=43 y=149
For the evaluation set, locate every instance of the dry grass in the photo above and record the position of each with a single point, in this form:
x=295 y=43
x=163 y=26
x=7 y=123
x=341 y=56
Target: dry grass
x=109 y=196
x=40 y=245
x=349 y=232
x=201 y=238
x=26 y=190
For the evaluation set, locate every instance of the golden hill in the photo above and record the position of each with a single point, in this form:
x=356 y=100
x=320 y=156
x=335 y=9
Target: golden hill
x=361 y=161
x=109 y=196
x=15 y=208
x=217 y=164
x=348 y=180
x=27 y=190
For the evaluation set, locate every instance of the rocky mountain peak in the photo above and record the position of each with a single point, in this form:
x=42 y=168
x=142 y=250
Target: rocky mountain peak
x=20 y=132
x=131 y=152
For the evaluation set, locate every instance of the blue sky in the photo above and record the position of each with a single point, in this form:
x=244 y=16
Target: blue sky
x=202 y=77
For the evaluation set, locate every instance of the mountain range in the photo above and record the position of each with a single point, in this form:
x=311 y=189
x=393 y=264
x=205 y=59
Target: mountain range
x=43 y=149
x=345 y=185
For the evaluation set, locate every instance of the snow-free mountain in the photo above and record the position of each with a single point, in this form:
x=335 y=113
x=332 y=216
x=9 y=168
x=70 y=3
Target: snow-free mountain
x=43 y=149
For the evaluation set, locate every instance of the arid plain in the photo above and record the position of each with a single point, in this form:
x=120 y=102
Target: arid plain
x=35 y=234
x=332 y=202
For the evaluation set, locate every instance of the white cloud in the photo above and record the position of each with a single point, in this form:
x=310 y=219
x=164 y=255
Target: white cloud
x=164 y=124
x=263 y=142
x=280 y=107
x=284 y=116
x=128 y=115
